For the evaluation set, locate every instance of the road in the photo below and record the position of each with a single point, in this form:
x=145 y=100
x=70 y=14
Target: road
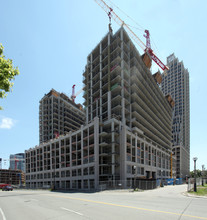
x=163 y=203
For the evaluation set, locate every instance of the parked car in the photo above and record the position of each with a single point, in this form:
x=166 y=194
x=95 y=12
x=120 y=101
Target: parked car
x=7 y=188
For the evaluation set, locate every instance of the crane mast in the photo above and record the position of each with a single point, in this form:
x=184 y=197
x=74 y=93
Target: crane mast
x=74 y=95
x=147 y=48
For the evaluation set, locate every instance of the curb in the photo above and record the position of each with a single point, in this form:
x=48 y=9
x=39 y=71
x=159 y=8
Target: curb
x=194 y=196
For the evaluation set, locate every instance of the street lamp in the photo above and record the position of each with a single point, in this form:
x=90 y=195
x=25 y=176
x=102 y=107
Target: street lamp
x=195 y=186
x=134 y=176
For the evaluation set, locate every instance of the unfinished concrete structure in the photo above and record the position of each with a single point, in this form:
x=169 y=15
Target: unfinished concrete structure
x=14 y=177
x=127 y=134
x=119 y=84
x=176 y=83
x=58 y=115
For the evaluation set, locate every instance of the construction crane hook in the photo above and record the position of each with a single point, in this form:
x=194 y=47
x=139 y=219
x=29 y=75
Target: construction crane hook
x=110 y=15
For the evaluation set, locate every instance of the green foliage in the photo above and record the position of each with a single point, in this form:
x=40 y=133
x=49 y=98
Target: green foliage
x=198 y=173
x=7 y=74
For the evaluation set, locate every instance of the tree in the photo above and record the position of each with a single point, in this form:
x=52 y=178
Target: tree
x=7 y=74
x=198 y=173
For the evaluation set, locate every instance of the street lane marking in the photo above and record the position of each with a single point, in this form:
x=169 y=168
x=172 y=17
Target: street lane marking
x=2 y=213
x=69 y=210
x=130 y=207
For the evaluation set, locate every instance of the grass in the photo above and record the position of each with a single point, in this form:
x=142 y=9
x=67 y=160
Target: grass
x=201 y=191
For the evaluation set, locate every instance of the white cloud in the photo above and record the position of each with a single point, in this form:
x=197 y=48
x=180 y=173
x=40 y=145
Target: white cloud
x=7 y=123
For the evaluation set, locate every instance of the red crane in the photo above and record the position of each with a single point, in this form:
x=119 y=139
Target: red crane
x=74 y=95
x=147 y=48
x=16 y=160
x=151 y=53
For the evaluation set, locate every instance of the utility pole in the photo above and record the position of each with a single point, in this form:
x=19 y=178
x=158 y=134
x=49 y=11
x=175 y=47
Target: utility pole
x=134 y=176
x=195 y=186
x=161 y=184
x=202 y=174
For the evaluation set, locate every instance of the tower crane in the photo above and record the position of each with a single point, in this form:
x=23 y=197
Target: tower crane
x=74 y=95
x=16 y=160
x=147 y=48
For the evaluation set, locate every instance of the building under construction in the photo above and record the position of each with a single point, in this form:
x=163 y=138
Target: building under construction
x=127 y=130
x=58 y=115
x=13 y=177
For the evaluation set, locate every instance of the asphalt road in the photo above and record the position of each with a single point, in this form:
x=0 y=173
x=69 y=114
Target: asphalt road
x=164 y=203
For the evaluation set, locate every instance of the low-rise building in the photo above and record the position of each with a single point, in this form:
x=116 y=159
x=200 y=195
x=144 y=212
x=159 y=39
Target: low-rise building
x=13 y=177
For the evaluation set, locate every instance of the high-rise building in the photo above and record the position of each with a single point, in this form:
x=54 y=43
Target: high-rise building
x=119 y=84
x=58 y=115
x=17 y=161
x=127 y=132
x=176 y=83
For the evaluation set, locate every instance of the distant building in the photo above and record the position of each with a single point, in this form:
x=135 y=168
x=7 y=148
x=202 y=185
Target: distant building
x=17 y=161
x=58 y=115
x=176 y=83
x=13 y=177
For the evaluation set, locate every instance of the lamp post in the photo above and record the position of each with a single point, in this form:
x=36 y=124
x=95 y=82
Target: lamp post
x=195 y=186
x=134 y=176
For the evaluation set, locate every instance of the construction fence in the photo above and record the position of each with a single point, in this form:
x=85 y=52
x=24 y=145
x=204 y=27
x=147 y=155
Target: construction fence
x=142 y=184
x=199 y=182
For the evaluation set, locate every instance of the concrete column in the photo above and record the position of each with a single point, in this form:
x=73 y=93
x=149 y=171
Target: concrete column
x=151 y=159
x=82 y=156
x=87 y=115
x=109 y=105
x=113 y=150
x=109 y=64
x=43 y=159
x=100 y=113
x=144 y=153
x=96 y=150
x=59 y=116
x=52 y=110
x=36 y=165
x=51 y=170
x=91 y=87
x=136 y=148
x=70 y=137
x=157 y=160
x=122 y=79
x=59 y=155
x=123 y=154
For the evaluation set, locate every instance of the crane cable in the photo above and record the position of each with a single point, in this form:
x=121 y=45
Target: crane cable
x=140 y=27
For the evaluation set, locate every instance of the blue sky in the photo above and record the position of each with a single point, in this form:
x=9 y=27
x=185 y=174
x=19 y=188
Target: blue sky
x=49 y=41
